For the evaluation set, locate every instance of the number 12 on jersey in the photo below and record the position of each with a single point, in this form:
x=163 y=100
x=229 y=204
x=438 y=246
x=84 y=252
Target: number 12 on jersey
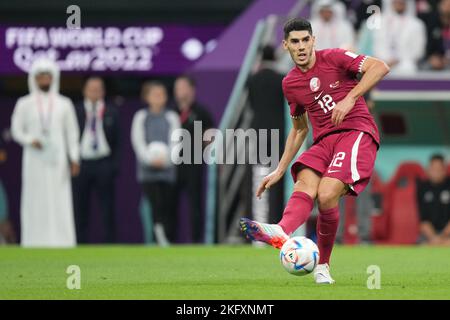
x=327 y=103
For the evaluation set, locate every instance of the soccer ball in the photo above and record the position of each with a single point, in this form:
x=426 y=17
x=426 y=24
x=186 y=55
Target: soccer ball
x=299 y=256
x=157 y=151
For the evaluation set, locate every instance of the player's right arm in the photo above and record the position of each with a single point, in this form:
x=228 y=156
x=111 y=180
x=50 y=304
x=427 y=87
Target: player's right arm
x=295 y=139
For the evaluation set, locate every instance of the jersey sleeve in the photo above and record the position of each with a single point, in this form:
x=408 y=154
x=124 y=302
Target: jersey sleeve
x=295 y=109
x=347 y=60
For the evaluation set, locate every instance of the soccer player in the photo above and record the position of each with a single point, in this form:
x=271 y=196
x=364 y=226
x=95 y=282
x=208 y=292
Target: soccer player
x=323 y=87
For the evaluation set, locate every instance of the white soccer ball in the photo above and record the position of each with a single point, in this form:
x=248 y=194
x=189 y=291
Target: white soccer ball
x=157 y=151
x=299 y=256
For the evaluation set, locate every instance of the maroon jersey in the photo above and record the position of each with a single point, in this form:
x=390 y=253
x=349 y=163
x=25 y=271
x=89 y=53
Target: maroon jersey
x=317 y=91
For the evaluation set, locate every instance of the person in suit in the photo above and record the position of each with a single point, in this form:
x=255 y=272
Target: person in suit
x=190 y=176
x=99 y=149
x=266 y=100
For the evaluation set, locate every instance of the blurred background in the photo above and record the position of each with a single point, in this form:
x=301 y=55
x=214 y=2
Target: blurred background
x=221 y=62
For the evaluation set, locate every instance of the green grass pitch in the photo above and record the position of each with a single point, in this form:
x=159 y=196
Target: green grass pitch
x=219 y=272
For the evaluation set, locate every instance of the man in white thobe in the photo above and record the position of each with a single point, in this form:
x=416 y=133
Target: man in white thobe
x=331 y=28
x=401 y=37
x=44 y=123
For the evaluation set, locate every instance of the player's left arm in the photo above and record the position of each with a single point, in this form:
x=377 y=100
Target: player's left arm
x=373 y=71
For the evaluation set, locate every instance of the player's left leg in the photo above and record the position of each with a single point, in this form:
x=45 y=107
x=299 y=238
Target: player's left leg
x=306 y=172
x=295 y=214
x=329 y=192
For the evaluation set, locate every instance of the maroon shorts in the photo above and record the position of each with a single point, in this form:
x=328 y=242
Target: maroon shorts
x=348 y=156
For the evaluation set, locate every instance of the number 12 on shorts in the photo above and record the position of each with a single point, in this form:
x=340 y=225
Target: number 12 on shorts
x=337 y=159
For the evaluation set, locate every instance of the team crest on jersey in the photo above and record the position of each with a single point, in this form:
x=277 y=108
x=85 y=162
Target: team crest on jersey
x=314 y=84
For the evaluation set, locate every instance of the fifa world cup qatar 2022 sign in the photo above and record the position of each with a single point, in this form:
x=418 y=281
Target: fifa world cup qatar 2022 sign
x=161 y=49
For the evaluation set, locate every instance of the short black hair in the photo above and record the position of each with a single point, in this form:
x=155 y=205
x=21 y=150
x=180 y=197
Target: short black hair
x=296 y=24
x=437 y=157
x=189 y=79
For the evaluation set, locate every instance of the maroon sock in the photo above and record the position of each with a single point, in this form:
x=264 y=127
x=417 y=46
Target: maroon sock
x=296 y=212
x=327 y=225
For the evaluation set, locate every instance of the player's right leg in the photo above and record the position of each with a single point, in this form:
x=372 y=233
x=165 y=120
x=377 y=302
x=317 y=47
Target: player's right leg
x=295 y=214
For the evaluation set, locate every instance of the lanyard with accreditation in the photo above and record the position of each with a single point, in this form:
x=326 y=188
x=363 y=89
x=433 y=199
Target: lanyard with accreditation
x=45 y=120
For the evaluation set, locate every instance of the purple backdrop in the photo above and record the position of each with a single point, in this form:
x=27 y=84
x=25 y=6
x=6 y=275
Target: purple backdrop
x=170 y=49
x=156 y=49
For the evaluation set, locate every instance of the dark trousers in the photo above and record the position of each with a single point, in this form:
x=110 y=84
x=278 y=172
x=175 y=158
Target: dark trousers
x=98 y=176
x=160 y=196
x=190 y=179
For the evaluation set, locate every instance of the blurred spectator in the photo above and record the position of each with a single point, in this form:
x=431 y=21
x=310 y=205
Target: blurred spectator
x=438 y=31
x=433 y=196
x=266 y=100
x=357 y=10
x=190 y=176
x=426 y=7
x=400 y=39
x=44 y=123
x=7 y=234
x=151 y=139
x=330 y=27
x=99 y=152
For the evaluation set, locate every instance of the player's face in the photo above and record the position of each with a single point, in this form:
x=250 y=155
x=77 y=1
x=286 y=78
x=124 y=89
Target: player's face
x=300 y=45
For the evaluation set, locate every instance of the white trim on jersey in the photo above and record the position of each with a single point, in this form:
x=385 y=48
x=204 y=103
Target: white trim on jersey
x=353 y=164
x=361 y=64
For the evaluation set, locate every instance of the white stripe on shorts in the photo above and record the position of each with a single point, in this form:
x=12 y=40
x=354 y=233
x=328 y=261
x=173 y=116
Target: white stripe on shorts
x=353 y=166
